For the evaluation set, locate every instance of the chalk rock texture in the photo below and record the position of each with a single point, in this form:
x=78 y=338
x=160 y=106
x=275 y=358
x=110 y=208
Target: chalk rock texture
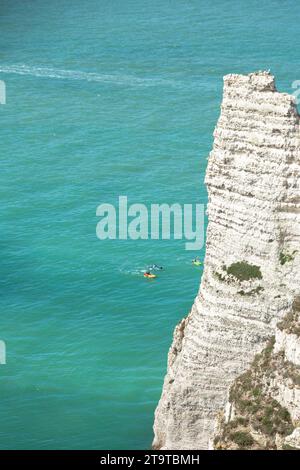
x=293 y=440
x=251 y=273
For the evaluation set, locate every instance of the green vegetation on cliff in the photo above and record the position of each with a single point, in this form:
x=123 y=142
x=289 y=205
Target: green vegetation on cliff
x=258 y=417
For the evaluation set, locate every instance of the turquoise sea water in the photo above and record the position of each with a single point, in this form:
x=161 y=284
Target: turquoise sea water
x=107 y=98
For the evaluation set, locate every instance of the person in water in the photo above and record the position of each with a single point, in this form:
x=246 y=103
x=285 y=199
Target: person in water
x=155 y=266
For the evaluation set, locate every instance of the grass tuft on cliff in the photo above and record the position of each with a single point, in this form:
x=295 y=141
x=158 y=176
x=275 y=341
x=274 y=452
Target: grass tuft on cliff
x=243 y=271
x=286 y=257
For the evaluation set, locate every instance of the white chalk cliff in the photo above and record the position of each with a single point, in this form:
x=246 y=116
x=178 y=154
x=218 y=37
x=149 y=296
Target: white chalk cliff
x=252 y=264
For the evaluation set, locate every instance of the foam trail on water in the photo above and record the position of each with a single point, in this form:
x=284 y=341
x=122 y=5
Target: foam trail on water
x=125 y=80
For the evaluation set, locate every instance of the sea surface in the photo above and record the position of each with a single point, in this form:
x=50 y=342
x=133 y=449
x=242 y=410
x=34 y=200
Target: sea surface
x=107 y=98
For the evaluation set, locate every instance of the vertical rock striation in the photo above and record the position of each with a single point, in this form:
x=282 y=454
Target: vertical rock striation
x=251 y=274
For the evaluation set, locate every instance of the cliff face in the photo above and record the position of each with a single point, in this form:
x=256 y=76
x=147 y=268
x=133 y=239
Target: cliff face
x=251 y=276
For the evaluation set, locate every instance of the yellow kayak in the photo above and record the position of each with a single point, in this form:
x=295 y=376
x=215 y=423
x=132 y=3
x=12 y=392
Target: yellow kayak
x=196 y=263
x=149 y=275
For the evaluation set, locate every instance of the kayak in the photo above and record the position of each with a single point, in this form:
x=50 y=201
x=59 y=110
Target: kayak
x=150 y=276
x=196 y=263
